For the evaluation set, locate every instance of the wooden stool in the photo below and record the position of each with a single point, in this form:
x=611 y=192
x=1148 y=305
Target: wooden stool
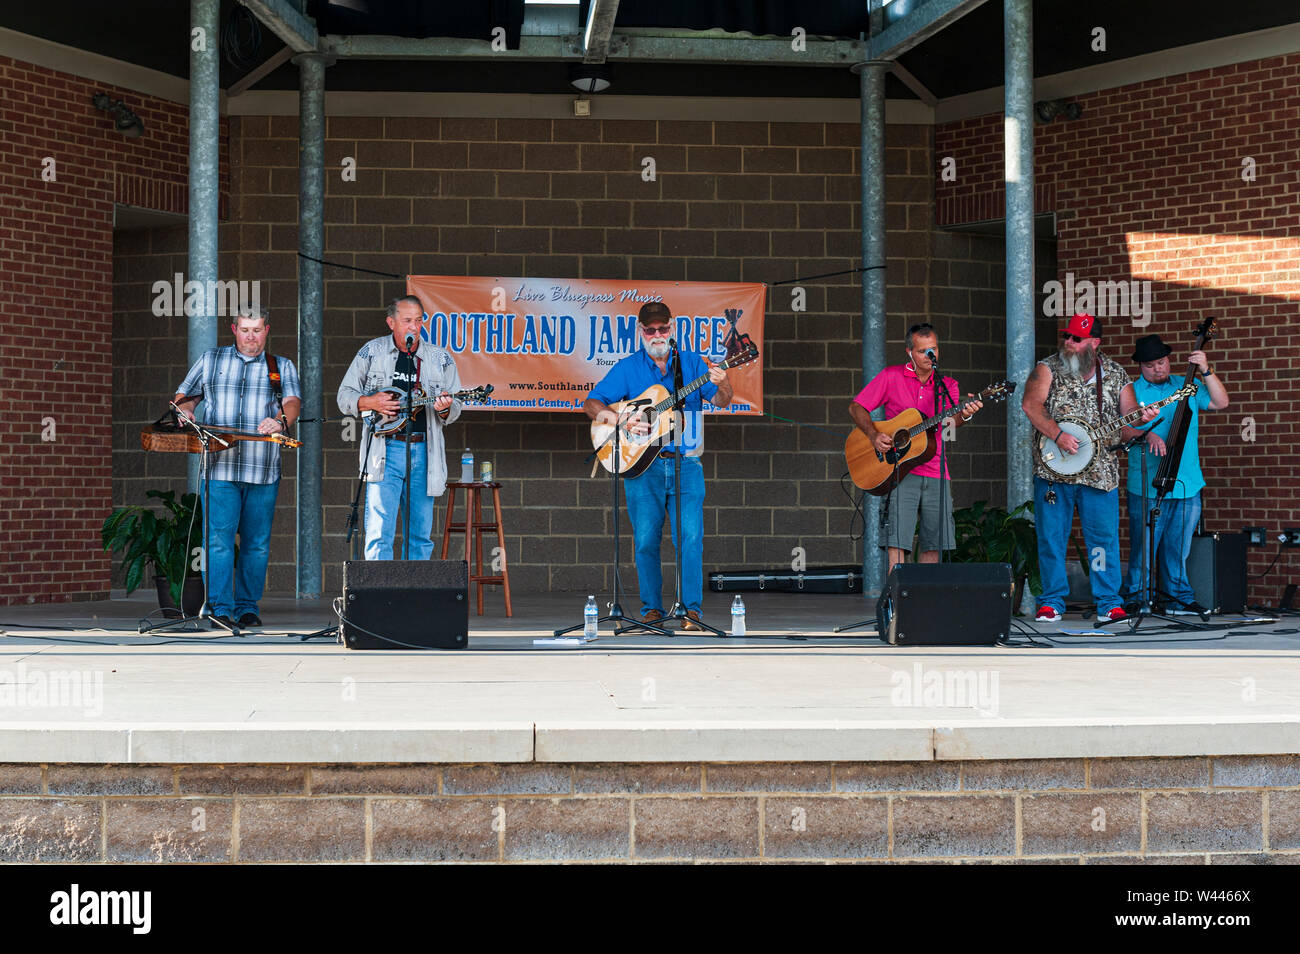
x=474 y=526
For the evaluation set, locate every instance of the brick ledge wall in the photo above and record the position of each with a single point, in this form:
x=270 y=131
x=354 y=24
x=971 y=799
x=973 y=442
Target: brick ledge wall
x=1203 y=810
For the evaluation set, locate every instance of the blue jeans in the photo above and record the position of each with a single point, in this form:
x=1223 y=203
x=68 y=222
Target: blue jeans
x=1174 y=530
x=384 y=504
x=648 y=498
x=235 y=505
x=1099 y=514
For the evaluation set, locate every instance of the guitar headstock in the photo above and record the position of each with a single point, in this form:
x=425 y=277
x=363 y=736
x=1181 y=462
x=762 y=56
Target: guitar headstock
x=998 y=392
x=1207 y=330
x=747 y=353
x=479 y=393
x=285 y=440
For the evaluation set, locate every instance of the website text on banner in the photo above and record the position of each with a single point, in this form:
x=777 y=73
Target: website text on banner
x=543 y=343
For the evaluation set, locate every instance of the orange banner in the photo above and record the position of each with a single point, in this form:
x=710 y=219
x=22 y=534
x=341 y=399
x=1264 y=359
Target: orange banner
x=544 y=343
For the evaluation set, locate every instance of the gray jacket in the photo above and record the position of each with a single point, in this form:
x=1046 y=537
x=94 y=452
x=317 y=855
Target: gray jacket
x=371 y=370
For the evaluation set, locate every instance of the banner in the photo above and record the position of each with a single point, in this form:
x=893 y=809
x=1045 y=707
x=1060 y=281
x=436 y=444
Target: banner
x=544 y=343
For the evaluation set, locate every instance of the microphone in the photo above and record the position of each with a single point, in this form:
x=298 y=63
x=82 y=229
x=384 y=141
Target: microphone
x=933 y=356
x=672 y=345
x=410 y=342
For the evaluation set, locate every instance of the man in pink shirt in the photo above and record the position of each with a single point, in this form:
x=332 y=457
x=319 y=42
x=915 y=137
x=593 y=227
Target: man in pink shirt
x=897 y=388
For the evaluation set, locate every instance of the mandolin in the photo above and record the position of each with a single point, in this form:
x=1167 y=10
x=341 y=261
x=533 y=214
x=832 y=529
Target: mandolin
x=386 y=424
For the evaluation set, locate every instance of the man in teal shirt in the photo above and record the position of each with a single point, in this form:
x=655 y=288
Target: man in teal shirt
x=1180 y=511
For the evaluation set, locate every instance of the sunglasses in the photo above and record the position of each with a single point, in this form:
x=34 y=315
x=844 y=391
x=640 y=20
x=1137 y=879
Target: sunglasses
x=654 y=331
x=1069 y=337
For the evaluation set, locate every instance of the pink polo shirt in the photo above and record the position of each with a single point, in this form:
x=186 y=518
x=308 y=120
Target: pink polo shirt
x=897 y=388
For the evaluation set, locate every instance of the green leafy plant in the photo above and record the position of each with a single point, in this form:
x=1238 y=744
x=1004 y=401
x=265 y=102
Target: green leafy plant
x=991 y=535
x=164 y=540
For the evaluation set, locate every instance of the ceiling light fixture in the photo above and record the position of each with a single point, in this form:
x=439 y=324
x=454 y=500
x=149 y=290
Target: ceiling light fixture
x=589 y=78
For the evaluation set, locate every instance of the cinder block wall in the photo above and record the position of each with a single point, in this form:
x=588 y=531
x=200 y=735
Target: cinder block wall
x=1215 y=810
x=731 y=201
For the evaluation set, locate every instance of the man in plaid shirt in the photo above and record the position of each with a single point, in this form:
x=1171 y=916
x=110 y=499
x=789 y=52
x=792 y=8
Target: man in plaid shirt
x=235 y=385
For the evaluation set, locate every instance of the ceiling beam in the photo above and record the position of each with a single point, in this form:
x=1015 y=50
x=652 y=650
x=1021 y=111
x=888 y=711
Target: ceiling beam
x=916 y=26
x=281 y=18
x=600 y=28
x=255 y=75
x=623 y=47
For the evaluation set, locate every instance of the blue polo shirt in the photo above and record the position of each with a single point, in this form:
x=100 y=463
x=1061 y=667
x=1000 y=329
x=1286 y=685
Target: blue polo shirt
x=1189 y=481
x=637 y=371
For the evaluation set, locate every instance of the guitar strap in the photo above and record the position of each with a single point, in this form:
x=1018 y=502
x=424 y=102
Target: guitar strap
x=277 y=387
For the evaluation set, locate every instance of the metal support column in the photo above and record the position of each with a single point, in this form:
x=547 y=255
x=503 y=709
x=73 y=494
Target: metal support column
x=311 y=297
x=1019 y=138
x=872 y=79
x=205 y=188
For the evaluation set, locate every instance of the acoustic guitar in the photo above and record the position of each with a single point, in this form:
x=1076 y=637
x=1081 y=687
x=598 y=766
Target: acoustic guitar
x=167 y=440
x=877 y=473
x=654 y=405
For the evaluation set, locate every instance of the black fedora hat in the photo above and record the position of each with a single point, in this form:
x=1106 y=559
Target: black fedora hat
x=1150 y=348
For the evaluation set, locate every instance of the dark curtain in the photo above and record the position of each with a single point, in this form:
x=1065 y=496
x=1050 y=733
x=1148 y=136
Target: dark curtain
x=419 y=18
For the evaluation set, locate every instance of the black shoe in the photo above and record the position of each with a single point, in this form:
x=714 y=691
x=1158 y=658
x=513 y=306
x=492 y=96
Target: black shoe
x=221 y=622
x=249 y=620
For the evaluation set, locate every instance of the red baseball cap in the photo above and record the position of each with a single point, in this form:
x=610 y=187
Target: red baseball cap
x=1083 y=326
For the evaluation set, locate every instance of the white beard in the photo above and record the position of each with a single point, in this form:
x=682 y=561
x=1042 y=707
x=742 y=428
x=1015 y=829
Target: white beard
x=657 y=349
x=1078 y=366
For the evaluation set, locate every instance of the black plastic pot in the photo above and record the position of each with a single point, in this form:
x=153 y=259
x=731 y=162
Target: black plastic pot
x=191 y=595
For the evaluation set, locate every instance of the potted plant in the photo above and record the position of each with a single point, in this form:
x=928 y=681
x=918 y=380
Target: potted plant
x=166 y=541
x=992 y=535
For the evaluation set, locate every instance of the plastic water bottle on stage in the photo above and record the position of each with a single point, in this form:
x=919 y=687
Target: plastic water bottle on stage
x=467 y=467
x=589 y=616
x=737 y=616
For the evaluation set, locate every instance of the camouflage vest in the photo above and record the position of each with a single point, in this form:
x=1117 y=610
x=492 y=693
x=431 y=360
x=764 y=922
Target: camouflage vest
x=1070 y=397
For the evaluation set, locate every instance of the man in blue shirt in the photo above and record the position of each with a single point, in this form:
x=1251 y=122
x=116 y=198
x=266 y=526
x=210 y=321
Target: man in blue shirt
x=650 y=495
x=1180 y=511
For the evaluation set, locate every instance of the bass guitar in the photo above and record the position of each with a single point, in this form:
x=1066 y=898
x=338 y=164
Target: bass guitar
x=386 y=424
x=875 y=472
x=1176 y=439
x=654 y=405
x=1091 y=436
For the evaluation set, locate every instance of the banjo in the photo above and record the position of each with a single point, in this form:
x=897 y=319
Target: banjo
x=1088 y=436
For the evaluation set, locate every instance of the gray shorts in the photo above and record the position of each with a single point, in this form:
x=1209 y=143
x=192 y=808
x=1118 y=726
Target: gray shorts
x=920 y=494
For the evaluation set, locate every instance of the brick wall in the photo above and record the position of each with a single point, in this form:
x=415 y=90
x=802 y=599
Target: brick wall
x=1204 y=810
x=731 y=202
x=1149 y=185
x=56 y=255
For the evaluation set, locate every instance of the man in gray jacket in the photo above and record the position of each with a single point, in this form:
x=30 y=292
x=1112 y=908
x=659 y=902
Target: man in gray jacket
x=401 y=360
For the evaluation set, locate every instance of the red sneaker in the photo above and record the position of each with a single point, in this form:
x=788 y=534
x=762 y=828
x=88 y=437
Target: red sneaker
x=1047 y=614
x=1116 y=613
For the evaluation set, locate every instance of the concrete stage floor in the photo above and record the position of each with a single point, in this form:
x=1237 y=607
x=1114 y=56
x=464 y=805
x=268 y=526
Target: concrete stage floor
x=792 y=691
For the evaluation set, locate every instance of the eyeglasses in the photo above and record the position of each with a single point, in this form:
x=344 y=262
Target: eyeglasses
x=654 y=331
x=1069 y=337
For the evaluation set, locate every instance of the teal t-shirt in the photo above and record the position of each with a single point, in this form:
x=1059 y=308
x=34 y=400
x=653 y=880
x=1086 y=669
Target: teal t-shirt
x=1190 y=481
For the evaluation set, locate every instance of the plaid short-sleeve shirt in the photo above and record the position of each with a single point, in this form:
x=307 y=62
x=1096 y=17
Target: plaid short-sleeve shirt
x=237 y=395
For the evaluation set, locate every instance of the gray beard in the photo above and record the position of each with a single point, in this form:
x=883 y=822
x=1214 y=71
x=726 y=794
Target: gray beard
x=657 y=349
x=1077 y=366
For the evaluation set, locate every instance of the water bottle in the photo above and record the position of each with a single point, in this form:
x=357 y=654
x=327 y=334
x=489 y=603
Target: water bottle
x=589 y=615
x=737 y=616
x=467 y=467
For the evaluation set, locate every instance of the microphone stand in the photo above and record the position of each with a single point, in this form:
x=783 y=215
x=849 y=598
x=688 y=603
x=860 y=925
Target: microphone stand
x=205 y=438
x=406 y=484
x=678 y=610
x=941 y=398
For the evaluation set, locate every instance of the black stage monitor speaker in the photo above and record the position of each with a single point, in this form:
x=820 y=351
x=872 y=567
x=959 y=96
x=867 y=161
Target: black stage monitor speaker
x=405 y=604
x=1216 y=568
x=946 y=604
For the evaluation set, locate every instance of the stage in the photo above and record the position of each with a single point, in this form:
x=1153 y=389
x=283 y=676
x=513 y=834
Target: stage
x=636 y=747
